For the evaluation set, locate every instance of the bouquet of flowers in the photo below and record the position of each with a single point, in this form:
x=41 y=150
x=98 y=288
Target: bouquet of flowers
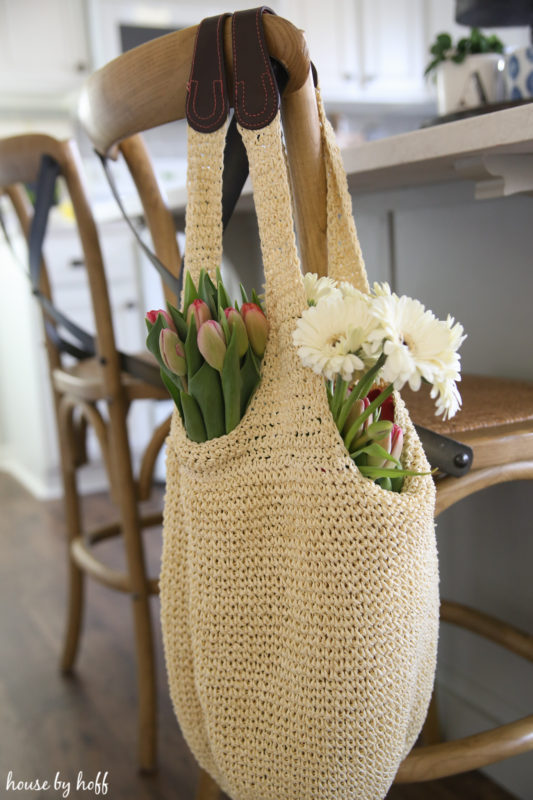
x=366 y=346
x=209 y=355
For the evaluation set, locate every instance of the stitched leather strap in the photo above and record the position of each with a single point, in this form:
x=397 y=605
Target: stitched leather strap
x=207 y=104
x=256 y=94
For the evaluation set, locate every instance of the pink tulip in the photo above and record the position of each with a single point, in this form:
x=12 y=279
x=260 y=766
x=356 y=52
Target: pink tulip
x=152 y=316
x=396 y=446
x=256 y=327
x=236 y=321
x=172 y=352
x=212 y=343
x=200 y=311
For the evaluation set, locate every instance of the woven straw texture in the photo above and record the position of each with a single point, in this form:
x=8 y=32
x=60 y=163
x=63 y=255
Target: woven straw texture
x=299 y=600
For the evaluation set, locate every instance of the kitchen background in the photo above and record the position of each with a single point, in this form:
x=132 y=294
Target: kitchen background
x=469 y=257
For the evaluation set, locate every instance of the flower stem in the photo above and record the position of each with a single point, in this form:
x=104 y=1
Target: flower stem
x=360 y=389
x=348 y=439
x=338 y=396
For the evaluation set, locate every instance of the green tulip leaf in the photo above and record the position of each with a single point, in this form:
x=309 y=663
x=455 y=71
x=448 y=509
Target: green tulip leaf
x=386 y=472
x=223 y=298
x=179 y=321
x=231 y=384
x=396 y=483
x=208 y=292
x=376 y=451
x=206 y=389
x=152 y=340
x=192 y=354
x=173 y=390
x=257 y=300
x=243 y=295
x=190 y=292
x=250 y=377
x=385 y=483
x=192 y=418
x=223 y=321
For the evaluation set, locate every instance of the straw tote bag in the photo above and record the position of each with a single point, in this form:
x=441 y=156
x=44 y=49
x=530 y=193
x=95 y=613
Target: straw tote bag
x=299 y=600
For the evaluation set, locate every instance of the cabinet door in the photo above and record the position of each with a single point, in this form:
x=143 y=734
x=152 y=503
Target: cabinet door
x=43 y=47
x=394 y=49
x=334 y=40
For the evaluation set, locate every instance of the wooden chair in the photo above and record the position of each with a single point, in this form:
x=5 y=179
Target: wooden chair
x=146 y=87
x=77 y=390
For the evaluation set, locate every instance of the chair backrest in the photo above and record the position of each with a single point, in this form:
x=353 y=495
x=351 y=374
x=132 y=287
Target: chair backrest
x=20 y=161
x=146 y=87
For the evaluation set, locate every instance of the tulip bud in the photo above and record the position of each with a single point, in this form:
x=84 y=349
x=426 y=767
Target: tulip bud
x=256 y=327
x=212 y=343
x=236 y=321
x=396 y=444
x=152 y=316
x=172 y=352
x=377 y=461
x=355 y=412
x=200 y=310
x=370 y=419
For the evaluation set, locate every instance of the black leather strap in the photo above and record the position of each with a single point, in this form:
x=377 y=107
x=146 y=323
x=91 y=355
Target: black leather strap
x=85 y=345
x=44 y=198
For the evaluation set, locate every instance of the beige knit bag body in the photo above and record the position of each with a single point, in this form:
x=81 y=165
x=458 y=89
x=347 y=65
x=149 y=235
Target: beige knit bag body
x=299 y=600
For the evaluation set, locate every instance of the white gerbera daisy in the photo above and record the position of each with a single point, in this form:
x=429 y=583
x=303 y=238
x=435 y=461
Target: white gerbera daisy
x=347 y=290
x=447 y=397
x=381 y=289
x=332 y=336
x=318 y=288
x=418 y=345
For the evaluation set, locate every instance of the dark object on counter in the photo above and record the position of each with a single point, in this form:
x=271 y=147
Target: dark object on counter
x=447 y=455
x=488 y=108
x=494 y=13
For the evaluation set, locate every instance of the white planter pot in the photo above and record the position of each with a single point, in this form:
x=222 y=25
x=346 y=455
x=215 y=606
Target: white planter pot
x=461 y=86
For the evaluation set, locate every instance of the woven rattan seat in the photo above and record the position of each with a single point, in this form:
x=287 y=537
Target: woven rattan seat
x=496 y=419
x=85 y=380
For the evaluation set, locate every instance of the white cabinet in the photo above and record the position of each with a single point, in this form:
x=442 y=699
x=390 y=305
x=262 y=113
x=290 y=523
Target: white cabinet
x=376 y=51
x=334 y=40
x=43 y=50
x=365 y=50
x=394 y=49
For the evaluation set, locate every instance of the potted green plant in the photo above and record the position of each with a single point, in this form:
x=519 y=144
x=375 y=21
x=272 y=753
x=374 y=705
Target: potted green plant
x=469 y=73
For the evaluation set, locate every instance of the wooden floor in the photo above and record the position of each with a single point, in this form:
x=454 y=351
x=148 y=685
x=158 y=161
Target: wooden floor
x=87 y=724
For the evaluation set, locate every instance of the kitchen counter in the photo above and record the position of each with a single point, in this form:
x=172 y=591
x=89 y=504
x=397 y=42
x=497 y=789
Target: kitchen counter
x=494 y=150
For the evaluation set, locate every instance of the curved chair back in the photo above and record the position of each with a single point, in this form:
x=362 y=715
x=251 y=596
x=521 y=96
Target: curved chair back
x=146 y=87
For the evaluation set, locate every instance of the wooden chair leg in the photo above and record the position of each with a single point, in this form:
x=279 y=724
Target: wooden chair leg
x=207 y=789
x=146 y=682
x=132 y=534
x=76 y=576
x=75 y=605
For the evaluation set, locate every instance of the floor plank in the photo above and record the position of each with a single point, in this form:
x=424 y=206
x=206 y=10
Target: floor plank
x=87 y=723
